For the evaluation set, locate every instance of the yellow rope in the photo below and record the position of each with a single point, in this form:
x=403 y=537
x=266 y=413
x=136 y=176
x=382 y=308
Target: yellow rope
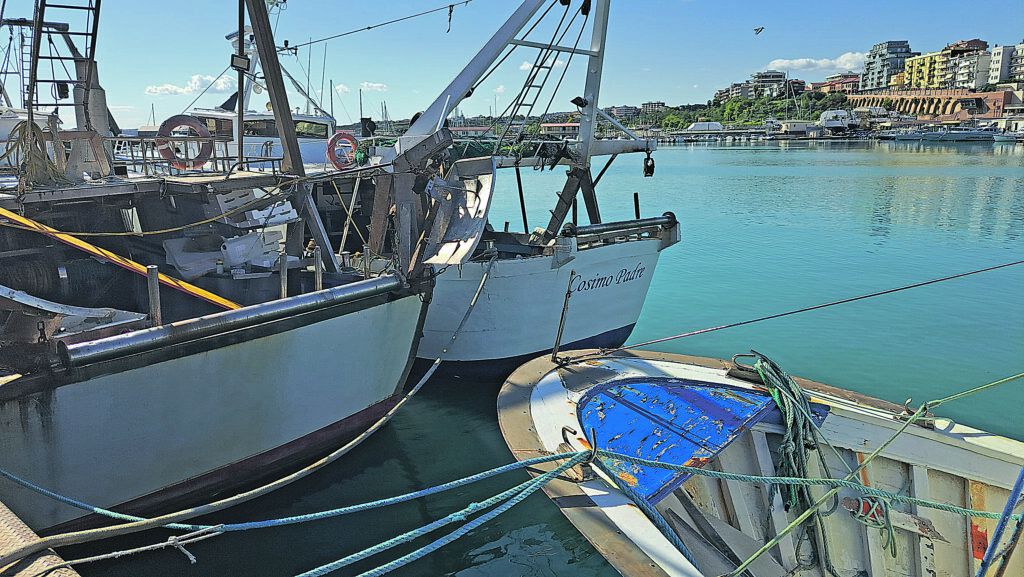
x=117 y=259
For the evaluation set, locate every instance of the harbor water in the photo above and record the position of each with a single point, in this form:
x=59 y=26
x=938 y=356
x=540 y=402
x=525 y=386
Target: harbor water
x=767 y=228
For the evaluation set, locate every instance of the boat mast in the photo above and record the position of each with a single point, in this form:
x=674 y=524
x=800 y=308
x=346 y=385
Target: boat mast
x=595 y=65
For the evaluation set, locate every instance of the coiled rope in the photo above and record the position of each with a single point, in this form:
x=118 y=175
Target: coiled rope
x=923 y=410
x=27 y=151
x=791 y=461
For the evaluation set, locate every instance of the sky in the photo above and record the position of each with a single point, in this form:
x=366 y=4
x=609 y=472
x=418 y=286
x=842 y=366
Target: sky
x=157 y=59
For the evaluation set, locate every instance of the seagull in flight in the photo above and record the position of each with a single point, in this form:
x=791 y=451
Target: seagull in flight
x=758 y=30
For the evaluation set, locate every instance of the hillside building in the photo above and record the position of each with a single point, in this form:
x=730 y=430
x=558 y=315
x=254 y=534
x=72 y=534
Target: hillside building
x=650 y=107
x=768 y=83
x=624 y=112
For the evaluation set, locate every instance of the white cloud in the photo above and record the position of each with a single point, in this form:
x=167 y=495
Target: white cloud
x=342 y=89
x=500 y=89
x=197 y=84
x=374 y=86
x=853 y=61
x=554 y=63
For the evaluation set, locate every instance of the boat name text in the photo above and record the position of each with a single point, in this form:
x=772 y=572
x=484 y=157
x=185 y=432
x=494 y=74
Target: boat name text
x=577 y=284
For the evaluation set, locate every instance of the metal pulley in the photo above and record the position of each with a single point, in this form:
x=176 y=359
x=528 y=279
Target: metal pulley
x=648 y=165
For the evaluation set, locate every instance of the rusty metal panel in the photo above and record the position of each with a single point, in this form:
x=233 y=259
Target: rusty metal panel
x=667 y=420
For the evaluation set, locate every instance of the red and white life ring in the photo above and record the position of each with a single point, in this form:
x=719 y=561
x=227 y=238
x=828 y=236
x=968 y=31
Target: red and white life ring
x=166 y=149
x=347 y=143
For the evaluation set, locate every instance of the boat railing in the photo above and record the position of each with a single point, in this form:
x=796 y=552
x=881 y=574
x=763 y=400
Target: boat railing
x=121 y=155
x=619 y=230
x=142 y=154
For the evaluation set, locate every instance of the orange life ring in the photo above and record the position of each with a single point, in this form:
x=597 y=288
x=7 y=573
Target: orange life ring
x=166 y=149
x=348 y=146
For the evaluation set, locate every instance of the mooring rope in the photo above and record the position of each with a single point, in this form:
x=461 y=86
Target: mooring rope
x=520 y=493
x=141 y=524
x=793 y=312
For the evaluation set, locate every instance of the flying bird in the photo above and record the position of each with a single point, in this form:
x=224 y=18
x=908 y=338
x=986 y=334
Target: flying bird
x=758 y=30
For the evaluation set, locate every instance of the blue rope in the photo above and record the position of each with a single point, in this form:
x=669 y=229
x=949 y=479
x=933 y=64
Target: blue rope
x=398 y=499
x=86 y=506
x=297 y=518
x=1004 y=520
x=521 y=492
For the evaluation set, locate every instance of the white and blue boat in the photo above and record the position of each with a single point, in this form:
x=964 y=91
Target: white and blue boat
x=692 y=452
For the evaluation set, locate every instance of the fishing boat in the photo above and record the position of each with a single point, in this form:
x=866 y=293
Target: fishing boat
x=707 y=467
x=566 y=284
x=167 y=338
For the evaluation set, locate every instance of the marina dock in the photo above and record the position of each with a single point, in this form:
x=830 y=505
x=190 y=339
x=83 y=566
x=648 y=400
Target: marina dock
x=13 y=534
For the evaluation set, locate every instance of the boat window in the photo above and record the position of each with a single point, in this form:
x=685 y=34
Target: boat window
x=220 y=127
x=264 y=128
x=306 y=129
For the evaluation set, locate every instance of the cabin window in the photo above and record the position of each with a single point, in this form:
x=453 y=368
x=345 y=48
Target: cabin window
x=218 y=127
x=305 y=129
x=264 y=128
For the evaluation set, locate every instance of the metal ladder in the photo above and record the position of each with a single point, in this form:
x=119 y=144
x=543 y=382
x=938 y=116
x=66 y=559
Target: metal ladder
x=532 y=89
x=51 y=86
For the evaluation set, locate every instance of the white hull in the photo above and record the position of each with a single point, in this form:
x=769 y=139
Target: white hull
x=960 y=136
x=950 y=464
x=521 y=302
x=121 y=436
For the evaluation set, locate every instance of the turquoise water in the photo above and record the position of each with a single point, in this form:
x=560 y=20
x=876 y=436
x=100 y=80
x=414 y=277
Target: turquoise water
x=766 y=229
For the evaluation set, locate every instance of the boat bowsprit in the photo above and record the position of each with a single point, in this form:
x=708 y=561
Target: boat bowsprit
x=706 y=467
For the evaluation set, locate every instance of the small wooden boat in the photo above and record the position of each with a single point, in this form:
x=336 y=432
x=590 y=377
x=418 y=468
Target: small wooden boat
x=927 y=503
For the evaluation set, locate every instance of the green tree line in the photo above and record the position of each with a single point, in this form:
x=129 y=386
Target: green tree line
x=741 y=111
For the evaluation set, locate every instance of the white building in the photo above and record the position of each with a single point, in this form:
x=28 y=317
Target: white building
x=649 y=107
x=769 y=82
x=622 y=111
x=745 y=90
x=1006 y=62
x=971 y=70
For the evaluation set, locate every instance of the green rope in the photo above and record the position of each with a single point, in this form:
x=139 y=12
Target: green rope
x=791 y=461
x=836 y=483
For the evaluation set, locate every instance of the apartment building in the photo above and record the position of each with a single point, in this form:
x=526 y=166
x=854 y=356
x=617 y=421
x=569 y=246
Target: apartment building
x=971 y=70
x=768 y=83
x=624 y=112
x=1007 y=62
x=885 y=60
x=951 y=55
x=649 y=107
x=922 y=71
